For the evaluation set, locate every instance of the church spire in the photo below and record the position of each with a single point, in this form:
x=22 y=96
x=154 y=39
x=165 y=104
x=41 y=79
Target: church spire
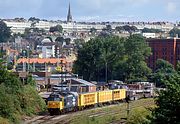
x=69 y=16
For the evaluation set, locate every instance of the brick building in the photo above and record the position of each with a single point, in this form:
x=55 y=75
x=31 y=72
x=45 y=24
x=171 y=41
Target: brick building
x=167 y=49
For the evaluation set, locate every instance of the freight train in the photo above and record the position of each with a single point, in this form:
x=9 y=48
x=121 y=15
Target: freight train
x=62 y=102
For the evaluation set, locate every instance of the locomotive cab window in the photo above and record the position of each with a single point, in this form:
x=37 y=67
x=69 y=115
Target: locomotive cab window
x=54 y=98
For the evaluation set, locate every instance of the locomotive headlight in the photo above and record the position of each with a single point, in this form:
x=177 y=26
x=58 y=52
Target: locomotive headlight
x=73 y=99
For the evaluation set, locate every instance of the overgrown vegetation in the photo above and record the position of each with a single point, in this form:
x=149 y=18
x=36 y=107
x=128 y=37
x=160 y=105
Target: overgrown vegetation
x=17 y=99
x=168 y=102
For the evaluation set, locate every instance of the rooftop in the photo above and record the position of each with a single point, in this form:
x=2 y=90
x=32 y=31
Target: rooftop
x=41 y=60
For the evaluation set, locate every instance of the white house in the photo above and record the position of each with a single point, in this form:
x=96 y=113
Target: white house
x=47 y=49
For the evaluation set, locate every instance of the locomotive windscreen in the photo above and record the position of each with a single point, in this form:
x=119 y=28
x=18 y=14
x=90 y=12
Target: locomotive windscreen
x=54 y=97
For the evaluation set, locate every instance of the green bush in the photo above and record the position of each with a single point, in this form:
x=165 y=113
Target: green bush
x=17 y=99
x=31 y=101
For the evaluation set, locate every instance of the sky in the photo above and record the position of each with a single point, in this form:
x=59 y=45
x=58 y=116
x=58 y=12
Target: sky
x=93 y=10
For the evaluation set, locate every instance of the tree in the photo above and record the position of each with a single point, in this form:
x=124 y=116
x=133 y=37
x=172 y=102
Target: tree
x=78 y=43
x=137 y=51
x=60 y=39
x=168 y=102
x=34 y=19
x=163 y=70
x=5 y=32
x=68 y=41
x=57 y=28
x=174 y=32
x=130 y=29
x=108 y=29
x=119 y=28
x=152 y=30
x=110 y=52
x=127 y=28
x=178 y=67
x=111 y=57
x=93 y=30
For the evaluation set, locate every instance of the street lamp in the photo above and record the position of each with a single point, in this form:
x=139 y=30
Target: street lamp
x=28 y=57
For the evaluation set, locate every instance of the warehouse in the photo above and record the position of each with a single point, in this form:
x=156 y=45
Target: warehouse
x=80 y=85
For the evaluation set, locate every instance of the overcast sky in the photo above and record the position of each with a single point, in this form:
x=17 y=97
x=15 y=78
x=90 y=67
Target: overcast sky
x=93 y=10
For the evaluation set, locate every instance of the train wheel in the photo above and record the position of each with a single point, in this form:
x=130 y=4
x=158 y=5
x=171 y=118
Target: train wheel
x=75 y=109
x=100 y=105
x=51 y=113
x=58 y=112
x=62 y=111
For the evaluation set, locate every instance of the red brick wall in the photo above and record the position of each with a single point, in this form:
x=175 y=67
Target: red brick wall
x=167 y=49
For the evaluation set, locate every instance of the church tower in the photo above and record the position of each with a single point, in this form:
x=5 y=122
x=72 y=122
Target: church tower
x=69 y=16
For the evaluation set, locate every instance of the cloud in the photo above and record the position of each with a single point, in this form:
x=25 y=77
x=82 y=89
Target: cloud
x=92 y=9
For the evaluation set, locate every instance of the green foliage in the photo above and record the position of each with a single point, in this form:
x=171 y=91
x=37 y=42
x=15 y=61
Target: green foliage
x=5 y=32
x=26 y=32
x=78 y=43
x=114 y=58
x=137 y=51
x=10 y=66
x=34 y=19
x=31 y=81
x=147 y=30
x=174 y=32
x=178 y=67
x=163 y=70
x=31 y=102
x=7 y=104
x=32 y=31
x=87 y=60
x=139 y=116
x=93 y=30
x=68 y=41
x=127 y=28
x=57 y=28
x=4 y=121
x=17 y=99
x=168 y=102
x=60 y=39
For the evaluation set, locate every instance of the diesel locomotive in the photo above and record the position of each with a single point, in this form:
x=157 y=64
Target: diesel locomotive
x=61 y=102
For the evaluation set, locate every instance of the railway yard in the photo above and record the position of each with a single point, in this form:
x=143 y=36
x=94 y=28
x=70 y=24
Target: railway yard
x=109 y=114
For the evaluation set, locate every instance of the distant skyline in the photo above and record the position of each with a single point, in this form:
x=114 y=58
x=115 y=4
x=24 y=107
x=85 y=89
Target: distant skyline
x=93 y=10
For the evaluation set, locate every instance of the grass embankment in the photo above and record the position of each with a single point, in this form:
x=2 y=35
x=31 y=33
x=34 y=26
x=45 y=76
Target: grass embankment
x=113 y=113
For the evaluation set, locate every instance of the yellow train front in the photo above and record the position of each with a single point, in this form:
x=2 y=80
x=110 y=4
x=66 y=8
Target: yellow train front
x=61 y=102
x=58 y=103
x=55 y=104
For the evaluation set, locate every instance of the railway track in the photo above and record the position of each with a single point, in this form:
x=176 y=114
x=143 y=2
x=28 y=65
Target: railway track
x=90 y=113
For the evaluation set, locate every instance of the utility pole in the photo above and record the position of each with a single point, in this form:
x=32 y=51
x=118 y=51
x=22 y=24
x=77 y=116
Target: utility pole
x=128 y=106
x=106 y=72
